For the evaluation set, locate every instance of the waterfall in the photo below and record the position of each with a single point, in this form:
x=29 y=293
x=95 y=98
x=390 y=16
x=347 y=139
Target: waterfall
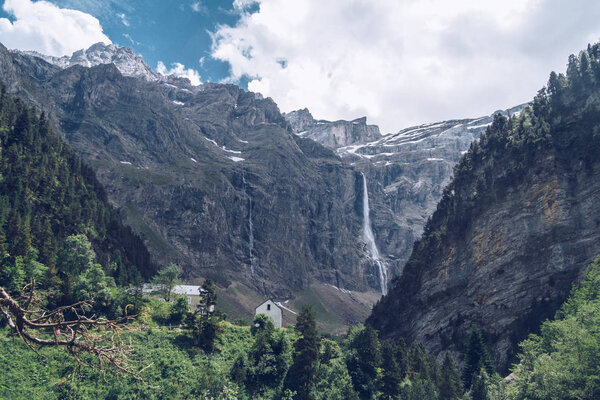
x=250 y=227
x=369 y=239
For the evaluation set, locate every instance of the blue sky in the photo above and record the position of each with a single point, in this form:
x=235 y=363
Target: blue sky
x=398 y=62
x=168 y=30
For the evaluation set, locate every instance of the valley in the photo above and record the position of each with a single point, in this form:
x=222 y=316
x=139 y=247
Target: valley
x=396 y=260
x=221 y=183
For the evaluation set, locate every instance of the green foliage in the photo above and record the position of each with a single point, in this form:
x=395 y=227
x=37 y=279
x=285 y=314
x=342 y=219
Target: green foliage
x=209 y=297
x=262 y=323
x=476 y=357
x=332 y=381
x=205 y=321
x=94 y=284
x=268 y=360
x=76 y=256
x=166 y=279
x=179 y=310
x=47 y=195
x=172 y=370
x=239 y=370
x=450 y=384
x=161 y=312
x=479 y=386
x=300 y=377
x=15 y=272
x=418 y=389
x=563 y=362
x=363 y=360
x=243 y=366
x=205 y=332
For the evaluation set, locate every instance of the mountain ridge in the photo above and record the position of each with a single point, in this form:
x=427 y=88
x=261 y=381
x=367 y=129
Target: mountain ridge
x=124 y=58
x=202 y=169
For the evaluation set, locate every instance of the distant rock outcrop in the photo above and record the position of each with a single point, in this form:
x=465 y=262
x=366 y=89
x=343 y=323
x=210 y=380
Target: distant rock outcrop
x=332 y=134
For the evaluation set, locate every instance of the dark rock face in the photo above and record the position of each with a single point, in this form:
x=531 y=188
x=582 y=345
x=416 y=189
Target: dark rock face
x=209 y=175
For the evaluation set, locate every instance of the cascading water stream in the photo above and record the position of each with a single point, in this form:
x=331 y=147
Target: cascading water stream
x=250 y=228
x=369 y=239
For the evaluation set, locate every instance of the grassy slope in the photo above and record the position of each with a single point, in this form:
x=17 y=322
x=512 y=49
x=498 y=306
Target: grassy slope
x=336 y=311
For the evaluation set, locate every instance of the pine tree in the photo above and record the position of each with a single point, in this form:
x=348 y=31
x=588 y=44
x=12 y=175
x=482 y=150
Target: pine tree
x=47 y=194
x=208 y=298
x=450 y=385
x=392 y=374
x=305 y=359
x=476 y=358
x=205 y=320
x=479 y=387
x=364 y=360
x=205 y=332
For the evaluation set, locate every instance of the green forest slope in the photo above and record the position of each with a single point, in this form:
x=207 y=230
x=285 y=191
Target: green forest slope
x=46 y=195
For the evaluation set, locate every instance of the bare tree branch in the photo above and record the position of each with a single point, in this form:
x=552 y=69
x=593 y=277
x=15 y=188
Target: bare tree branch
x=82 y=334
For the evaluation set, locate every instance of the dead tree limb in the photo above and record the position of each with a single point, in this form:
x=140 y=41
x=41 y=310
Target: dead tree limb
x=37 y=326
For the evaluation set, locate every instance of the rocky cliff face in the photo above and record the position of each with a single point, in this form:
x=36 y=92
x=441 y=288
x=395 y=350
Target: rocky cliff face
x=513 y=231
x=406 y=172
x=332 y=134
x=209 y=174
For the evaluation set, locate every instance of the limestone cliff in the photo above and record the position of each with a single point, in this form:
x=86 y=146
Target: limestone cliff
x=513 y=230
x=332 y=134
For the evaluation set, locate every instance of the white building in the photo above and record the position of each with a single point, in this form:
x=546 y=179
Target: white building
x=192 y=292
x=272 y=310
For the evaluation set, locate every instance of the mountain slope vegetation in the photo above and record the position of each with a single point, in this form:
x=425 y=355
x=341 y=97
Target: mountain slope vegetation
x=46 y=195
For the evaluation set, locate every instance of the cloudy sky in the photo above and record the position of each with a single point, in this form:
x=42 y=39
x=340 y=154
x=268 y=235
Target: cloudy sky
x=399 y=62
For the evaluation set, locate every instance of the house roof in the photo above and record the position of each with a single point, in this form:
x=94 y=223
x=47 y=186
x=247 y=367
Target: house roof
x=267 y=301
x=188 y=290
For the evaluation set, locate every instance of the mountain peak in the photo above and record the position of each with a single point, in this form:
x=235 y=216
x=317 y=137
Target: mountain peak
x=124 y=58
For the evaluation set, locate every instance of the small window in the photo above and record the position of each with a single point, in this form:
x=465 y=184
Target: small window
x=268 y=307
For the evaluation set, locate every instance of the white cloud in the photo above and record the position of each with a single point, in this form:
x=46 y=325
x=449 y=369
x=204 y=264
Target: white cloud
x=123 y=19
x=179 y=71
x=48 y=29
x=198 y=7
x=403 y=62
x=242 y=5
